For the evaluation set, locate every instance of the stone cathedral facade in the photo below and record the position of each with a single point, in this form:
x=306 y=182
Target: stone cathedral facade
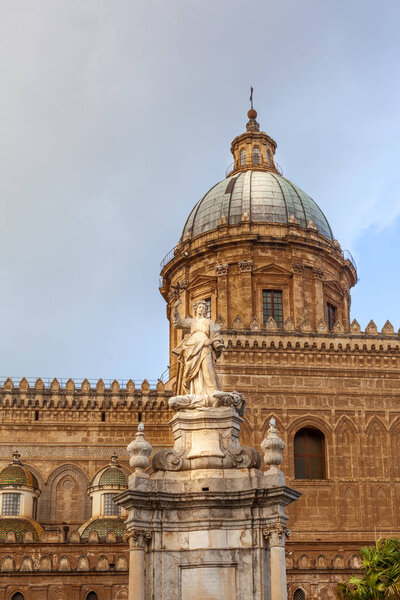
x=261 y=253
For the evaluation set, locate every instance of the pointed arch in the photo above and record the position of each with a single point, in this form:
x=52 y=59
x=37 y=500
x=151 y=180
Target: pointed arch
x=68 y=484
x=354 y=561
x=377 y=463
x=7 y=564
x=349 y=512
x=346 y=448
x=380 y=506
x=304 y=562
x=394 y=433
x=321 y=562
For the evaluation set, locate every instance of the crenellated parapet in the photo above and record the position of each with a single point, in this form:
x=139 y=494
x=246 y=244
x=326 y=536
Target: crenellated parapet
x=59 y=394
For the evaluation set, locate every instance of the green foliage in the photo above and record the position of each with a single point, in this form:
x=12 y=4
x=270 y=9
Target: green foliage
x=381 y=579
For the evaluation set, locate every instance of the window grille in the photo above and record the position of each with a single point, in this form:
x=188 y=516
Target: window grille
x=309 y=454
x=256 y=155
x=242 y=158
x=330 y=315
x=269 y=164
x=110 y=508
x=299 y=595
x=10 y=505
x=272 y=306
x=17 y=596
x=92 y=596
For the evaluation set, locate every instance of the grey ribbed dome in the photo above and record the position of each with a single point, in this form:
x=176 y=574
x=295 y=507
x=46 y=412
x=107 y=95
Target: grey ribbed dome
x=265 y=196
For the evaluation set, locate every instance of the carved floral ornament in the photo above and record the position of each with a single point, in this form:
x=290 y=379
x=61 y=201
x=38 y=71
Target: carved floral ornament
x=318 y=273
x=138 y=538
x=245 y=265
x=297 y=268
x=222 y=269
x=277 y=533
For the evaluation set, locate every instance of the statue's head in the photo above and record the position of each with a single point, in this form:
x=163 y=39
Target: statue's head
x=200 y=308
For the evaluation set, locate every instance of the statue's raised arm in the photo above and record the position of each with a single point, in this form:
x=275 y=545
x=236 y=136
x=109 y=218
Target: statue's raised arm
x=177 y=320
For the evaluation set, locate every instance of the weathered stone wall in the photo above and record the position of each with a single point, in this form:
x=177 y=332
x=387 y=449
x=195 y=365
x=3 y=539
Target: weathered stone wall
x=344 y=384
x=58 y=569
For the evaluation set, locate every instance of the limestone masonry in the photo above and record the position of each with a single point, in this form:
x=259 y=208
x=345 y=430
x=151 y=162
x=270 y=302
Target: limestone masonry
x=261 y=255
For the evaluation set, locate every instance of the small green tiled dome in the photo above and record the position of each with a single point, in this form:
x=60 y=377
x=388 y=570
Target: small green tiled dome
x=19 y=527
x=111 y=475
x=17 y=475
x=102 y=525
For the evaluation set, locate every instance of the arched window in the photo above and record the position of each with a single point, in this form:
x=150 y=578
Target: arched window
x=309 y=454
x=242 y=157
x=256 y=155
x=92 y=596
x=17 y=596
x=269 y=164
x=299 y=595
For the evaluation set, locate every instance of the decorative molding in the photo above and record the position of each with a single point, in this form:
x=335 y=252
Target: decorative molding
x=276 y=533
x=318 y=273
x=64 y=452
x=245 y=265
x=222 y=269
x=137 y=538
x=297 y=268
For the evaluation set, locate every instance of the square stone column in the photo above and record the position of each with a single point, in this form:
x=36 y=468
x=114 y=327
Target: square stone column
x=210 y=533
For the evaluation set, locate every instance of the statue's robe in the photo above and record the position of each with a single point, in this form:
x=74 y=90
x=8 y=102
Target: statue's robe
x=197 y=354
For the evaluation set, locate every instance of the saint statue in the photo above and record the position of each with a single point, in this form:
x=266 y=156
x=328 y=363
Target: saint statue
x=198 y=352
x=198 y=385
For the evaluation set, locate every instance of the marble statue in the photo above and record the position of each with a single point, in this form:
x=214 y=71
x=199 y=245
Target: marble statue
x=198 y=384
x=198 y=353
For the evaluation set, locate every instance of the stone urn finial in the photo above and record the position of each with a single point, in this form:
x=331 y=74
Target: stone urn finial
x=140 y=450
x=272 y=447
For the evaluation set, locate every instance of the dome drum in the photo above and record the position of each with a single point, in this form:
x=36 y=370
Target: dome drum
x=260 y=251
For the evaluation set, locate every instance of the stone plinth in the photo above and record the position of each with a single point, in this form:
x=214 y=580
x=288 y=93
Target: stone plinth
x=206 y=439
x=210 y=533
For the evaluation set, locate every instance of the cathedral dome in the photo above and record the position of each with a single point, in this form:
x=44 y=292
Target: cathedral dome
x=17 y=475
x=260 y=196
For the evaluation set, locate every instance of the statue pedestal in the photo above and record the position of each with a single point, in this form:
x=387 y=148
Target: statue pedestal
x=198 y=529
x=206 y=439
x=211 y=534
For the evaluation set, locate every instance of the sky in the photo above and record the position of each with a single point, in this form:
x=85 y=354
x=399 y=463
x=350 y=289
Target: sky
x=116 y=117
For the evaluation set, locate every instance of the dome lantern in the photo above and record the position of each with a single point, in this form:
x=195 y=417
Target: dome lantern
x=253 y=149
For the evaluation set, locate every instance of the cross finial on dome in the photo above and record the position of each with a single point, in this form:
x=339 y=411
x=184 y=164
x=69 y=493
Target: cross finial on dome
x=252 y=125
x=16 y=458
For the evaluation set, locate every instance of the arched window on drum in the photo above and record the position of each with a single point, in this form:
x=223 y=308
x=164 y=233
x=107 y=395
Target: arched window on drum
x=299 y=594
x=92 y=596
x=309 y=454
x=256 y=155
x=242 y=157
x=17 y=596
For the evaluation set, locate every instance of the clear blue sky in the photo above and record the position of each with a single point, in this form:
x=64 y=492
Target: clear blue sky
x=118 y=116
